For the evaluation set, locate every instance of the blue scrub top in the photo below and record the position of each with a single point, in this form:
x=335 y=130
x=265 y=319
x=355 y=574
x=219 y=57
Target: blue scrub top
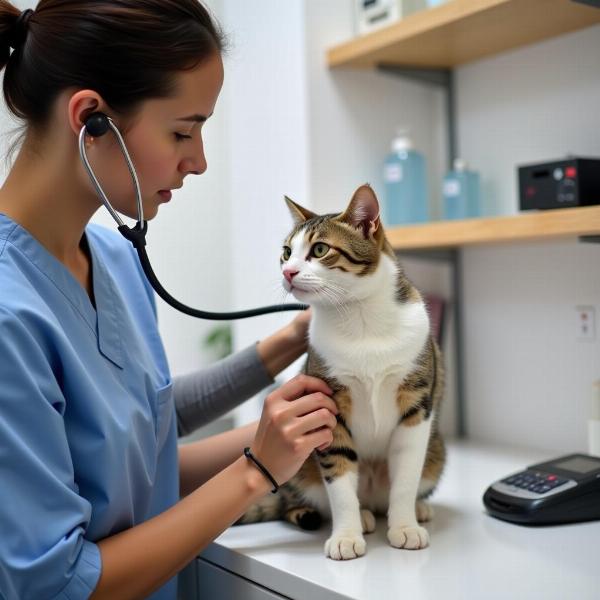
x=88 y=443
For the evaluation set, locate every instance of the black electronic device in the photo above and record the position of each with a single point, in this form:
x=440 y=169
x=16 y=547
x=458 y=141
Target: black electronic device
x=563 y=490
x=560 y=184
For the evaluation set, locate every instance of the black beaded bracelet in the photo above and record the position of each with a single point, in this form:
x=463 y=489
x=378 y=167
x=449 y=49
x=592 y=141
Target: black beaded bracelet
x=266 y=473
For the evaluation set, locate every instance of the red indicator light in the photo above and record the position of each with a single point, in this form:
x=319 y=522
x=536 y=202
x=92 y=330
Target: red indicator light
x=571 y=172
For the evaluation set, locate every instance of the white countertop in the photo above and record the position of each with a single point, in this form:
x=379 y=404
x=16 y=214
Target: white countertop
x=471 y=555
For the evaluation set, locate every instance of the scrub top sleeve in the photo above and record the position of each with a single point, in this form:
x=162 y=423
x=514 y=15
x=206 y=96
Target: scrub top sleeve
x=43 y=519
x=205 y=395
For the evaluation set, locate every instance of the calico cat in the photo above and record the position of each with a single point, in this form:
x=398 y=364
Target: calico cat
x=370 y=340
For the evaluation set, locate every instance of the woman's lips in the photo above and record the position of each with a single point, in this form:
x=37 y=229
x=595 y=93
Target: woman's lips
x=165 y=195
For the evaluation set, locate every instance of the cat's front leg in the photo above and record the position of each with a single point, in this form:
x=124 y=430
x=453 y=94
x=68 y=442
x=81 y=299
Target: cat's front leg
x=339 y=467
x=407 y=451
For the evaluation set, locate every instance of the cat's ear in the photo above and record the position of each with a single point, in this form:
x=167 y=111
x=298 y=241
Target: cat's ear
x=363 y=211
x=299 y=213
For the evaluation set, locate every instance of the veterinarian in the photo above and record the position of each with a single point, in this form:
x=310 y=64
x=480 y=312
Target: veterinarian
x=98 y=501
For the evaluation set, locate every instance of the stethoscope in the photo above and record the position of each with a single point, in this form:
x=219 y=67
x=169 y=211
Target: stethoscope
x=97 y=125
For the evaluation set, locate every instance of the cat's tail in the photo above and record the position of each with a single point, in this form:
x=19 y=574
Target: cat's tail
x=268 y=508
x=277 y=507
x=305 y=517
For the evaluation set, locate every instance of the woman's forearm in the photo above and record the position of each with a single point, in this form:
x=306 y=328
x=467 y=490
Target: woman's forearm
x=139 y=560
x=199 y=461
x=281 y=349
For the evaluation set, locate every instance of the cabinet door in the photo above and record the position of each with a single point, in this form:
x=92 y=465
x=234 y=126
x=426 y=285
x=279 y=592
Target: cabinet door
x=215 y=583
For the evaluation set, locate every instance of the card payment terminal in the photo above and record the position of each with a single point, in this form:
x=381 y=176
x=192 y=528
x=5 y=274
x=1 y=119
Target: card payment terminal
x=563 y=490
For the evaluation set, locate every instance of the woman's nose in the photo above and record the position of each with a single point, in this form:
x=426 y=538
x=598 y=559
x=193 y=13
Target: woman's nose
x=195 y=164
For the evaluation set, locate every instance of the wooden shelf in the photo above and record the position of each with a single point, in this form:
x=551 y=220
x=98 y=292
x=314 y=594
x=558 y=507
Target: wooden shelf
x=461 y=31
x=544 y=225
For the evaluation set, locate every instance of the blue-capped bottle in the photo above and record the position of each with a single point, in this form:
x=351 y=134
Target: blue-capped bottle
x=405 y=180
x=461 y=192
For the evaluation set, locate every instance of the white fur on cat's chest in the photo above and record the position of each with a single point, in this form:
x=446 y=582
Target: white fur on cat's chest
x=372 y=367
x=374 y=413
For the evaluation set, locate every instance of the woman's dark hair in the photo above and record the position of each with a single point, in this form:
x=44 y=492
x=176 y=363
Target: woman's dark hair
x=126 y=50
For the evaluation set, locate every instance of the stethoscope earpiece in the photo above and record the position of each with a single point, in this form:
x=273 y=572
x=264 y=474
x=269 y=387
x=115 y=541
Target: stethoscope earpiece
x=97 y=124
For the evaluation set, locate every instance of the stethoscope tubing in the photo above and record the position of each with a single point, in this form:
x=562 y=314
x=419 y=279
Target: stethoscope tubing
x=99 y=124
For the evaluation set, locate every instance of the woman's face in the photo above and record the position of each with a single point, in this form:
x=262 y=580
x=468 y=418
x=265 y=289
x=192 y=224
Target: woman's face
x=164 y=142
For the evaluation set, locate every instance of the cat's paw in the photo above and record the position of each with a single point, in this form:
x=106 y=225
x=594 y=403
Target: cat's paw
x=345 y=546
x=367 y=520
x=411 y=538
x=424 y=511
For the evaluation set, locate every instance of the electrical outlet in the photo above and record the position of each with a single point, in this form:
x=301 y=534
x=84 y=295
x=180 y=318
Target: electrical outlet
x=585 y=322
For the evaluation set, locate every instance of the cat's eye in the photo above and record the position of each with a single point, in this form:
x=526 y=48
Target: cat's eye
x=287 y=252
x=319 y=250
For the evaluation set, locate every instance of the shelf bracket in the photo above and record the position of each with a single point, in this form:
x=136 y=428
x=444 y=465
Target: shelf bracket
x=453 y=257
x=444 y=78
x=594 y=3
x=590 y=239
x=440 y=77
x=441 y=255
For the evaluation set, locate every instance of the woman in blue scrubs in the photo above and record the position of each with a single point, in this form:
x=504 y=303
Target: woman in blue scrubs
x=96 y=498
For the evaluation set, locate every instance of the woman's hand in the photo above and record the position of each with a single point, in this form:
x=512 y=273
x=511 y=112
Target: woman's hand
x=281 y=349
x=299 y=328
x=297 y=418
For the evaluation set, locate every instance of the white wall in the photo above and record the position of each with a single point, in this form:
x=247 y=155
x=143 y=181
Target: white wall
x=268 y=154
x=528 y=378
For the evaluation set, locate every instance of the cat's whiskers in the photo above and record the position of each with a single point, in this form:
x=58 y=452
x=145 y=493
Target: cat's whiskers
x=281 y=293
x=322 y=287
x=341 y=291
x=284 y=296
x=331 y=297
x=337 y=295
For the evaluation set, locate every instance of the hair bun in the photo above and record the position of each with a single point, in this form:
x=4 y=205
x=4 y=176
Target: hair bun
x=18 y=32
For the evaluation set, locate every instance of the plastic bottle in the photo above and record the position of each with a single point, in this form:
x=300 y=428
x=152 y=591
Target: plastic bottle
x=405 y=184
x=460 y=192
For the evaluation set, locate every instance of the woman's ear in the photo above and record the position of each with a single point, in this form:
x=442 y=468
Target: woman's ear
x=81 y=105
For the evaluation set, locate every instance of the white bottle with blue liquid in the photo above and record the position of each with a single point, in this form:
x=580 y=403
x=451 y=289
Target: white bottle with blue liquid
x=460 y=192
x=405 y=184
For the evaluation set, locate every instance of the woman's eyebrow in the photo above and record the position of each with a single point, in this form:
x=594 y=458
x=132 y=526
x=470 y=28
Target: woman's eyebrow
x=196 y=118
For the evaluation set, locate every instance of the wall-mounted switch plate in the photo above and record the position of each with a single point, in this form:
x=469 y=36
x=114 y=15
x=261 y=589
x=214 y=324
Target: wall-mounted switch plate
x=585 y=322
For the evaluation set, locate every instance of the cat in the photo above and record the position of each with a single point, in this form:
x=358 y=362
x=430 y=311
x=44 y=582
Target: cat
x=370 y=340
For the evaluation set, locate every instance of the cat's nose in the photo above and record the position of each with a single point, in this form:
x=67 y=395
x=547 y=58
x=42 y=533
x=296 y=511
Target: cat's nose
x=289 y=274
